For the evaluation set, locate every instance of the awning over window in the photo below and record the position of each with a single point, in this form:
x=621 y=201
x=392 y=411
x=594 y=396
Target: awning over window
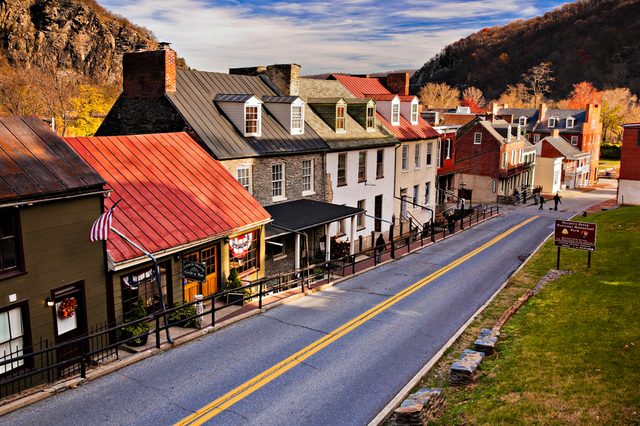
x=300 y=215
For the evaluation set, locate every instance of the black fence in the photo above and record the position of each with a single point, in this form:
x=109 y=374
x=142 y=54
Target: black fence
x=44 y=363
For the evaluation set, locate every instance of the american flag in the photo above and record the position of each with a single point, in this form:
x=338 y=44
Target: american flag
x=102 y=225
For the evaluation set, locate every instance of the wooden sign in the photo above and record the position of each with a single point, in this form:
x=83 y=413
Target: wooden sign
x=194 y=271
x=577 y=235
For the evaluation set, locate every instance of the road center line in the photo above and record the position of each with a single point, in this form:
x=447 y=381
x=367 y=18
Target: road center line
x=230 y=398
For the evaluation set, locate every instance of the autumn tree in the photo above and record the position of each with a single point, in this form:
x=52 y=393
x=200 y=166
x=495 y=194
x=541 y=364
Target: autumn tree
x=516 y=97
x=439 y=95
x=89 y=108
x=474 y=95
x=582 y=95
x=537 y=80
x=619 y=106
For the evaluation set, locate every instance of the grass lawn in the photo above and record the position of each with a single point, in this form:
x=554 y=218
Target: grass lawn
x=605 y=164
x=571 y=355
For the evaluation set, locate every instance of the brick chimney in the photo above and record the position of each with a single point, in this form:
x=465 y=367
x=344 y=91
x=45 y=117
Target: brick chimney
x=149 y=74
x=555 y=133
x=542 y=112
x=398 y=83
x=286 y=77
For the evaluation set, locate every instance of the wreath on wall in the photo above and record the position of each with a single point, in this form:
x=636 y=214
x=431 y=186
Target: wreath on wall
x=67 y=308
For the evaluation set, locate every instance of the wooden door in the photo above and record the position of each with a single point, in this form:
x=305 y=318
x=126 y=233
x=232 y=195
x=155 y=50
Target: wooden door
x=70 y=322
x=209 y=256
x=378 y=213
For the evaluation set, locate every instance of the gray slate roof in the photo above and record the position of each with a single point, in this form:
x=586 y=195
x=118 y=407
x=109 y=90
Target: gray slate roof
x=232 y=98
x=579 y=115
x=530 y=113
x=564 y=147
x=194 y=99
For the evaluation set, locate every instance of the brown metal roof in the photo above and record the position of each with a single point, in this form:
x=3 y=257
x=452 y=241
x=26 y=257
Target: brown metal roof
x=37 y=163
x=194 y=100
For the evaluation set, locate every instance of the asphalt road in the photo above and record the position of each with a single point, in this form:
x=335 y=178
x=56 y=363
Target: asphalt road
x=348 y=381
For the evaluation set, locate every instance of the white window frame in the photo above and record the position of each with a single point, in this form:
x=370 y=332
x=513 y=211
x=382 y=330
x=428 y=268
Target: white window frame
x=536 y=138
x=346 y=178
x=405 y=158
x=551 y=122
x=477 y=138
x=294 y=119
x=417 y=154
x=429 y=156
x=494 y=186
x=370 y=119
x=310 y=189
x=342 y=119
x=414 y=113
x=380 y=165
x=362 y=166
x=574 y=140
x=258 y=120
x=572 y=121
x=522 y=120
x=14 y=339
x=248 y=176
x=282 y=194
x=360 y=218
x=427 y=194
x=513 y=157
x=447 y=148
x=504 y=160
x=395 y=113
x=416 y=194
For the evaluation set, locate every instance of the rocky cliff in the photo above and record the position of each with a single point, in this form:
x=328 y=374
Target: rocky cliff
x=77 y=36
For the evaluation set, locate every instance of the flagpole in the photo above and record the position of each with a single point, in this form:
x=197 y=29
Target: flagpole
x=156 y=272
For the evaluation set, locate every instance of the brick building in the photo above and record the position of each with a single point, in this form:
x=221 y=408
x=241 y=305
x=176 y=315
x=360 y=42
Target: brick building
x=492 y=160
x=629 y=179
x=574 y=170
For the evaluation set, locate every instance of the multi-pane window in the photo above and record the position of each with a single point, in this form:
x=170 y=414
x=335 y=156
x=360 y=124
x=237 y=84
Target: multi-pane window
x=536 y=138
x=429 y=153
x=416 y=156
x=277 y=180
x=574 y=140
x=340 y=111
x=571 y=122
x=380 y=164
x=414 y=113
x=504 y=160
x=243 y=174
x=523 y=121
x=296 y=119
x=250 y=258
x=552 y=122
x=427 y=193
x=395 y=114
x=9 y=241
x=513 y=157
x=360 y=217
x=405 y=157
x=251 y=118
x=362 y=166
x=477 y=138
x=307 y=175
x=416 y=189
x=371 y=117
x=141 y=286
x=342 y=169
x=11 y=338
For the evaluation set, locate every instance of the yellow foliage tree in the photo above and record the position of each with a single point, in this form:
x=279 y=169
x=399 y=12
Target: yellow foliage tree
x=89 y=108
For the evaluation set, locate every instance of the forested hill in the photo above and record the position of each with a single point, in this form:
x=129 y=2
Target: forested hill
x=76 y=36
x=590 y=40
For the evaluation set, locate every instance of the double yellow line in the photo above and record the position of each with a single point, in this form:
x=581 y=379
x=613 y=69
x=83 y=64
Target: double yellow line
x=230 y=398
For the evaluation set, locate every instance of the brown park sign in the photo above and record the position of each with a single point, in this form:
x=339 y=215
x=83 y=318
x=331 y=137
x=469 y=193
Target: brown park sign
x=577 y=235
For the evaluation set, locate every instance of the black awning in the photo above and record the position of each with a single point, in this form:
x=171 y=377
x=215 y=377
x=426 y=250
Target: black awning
x=300 y=215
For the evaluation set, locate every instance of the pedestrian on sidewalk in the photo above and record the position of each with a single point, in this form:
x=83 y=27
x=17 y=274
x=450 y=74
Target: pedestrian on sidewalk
x=524 y=196
x=542 y=201
x=556 y=200
x=380 y=245
x=536 y=198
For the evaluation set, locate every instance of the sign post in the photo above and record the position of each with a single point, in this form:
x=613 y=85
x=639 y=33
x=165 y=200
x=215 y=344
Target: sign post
x=575 y=235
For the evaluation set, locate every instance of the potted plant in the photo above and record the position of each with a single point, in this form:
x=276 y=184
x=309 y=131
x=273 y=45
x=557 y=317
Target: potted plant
x=138 y=330
x=233 y=283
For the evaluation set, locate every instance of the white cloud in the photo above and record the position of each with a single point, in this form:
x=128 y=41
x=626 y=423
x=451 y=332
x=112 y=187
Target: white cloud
x=351 y=36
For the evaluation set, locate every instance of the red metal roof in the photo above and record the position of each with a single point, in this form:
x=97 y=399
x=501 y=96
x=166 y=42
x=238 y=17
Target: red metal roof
x=387 y=98
x=363 y=87
x=173 y=192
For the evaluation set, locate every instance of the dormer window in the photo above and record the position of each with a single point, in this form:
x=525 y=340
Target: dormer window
x=414 y=113
x=522 y=121
x=571 y=122
x=552 y=122
x=371 y=117
x=340 y=121
x=297 y=119
x=395 y=114
x=252 y=120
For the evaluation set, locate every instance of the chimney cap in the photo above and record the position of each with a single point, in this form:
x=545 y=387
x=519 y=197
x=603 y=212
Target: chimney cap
x=164 y=45
x=140 y=47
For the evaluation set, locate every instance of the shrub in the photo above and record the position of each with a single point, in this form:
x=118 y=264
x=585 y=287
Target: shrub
x=184 y=317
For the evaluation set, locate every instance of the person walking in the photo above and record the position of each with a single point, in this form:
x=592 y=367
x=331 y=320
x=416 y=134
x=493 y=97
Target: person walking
x=380 y=245
x=536 y=198
x=556 y=200
x=542 y=201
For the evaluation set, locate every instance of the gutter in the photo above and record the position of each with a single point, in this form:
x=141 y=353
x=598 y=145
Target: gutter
x=64 y=197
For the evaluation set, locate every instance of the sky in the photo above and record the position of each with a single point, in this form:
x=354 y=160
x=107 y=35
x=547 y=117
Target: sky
x=353 y=36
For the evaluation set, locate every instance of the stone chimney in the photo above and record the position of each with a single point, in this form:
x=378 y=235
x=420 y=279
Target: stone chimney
x=286 y=77
x=555 y=133
x=542 y=112
x=398 y=83
x=149 y=74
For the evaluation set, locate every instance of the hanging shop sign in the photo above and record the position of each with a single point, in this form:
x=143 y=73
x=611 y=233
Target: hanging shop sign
x=239 y=246
x=194 y=271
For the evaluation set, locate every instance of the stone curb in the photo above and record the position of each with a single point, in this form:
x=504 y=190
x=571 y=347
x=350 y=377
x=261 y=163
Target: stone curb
x=40 y=394
x=387 y=411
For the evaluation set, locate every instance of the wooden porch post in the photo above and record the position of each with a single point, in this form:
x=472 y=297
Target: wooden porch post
x=327 y=242
x=298 y=254
x=352 y=237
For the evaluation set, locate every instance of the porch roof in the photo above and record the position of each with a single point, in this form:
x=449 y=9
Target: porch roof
x=299 y=215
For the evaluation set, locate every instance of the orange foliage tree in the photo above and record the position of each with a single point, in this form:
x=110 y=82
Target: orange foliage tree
x=583 y=94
